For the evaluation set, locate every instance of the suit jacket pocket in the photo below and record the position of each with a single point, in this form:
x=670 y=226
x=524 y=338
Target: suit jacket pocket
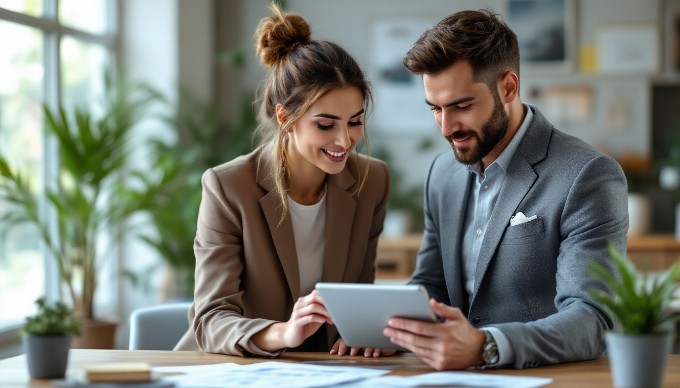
x=522 y=231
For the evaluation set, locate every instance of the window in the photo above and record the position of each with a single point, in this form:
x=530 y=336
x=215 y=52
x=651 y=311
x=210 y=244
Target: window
x=54 y=51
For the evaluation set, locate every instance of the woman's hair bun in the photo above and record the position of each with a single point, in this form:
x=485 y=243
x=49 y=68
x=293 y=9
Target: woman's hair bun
x=279 y=34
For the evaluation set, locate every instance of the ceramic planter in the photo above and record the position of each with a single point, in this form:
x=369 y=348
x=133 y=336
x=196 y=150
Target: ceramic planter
x=47 y=356
x=637 y=360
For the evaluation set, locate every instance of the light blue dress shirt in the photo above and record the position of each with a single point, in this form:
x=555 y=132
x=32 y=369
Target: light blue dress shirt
x=484 y=191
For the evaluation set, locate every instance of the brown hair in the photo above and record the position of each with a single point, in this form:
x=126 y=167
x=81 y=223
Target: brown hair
x=301 y=71
x=480 y=37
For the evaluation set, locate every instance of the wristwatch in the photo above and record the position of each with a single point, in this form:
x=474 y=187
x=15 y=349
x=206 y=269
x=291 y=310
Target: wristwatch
x=489 y=351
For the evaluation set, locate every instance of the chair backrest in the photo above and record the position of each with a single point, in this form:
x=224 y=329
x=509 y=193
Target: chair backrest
x=158 y=327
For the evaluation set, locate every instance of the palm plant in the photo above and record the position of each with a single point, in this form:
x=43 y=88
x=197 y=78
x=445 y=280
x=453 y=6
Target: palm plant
x=97 y=190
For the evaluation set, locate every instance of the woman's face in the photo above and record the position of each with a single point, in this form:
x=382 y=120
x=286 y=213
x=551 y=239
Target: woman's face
x=323 y=137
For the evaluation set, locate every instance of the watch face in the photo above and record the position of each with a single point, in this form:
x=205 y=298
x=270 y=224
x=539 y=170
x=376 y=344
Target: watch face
x=490 y=352
x=490 y=356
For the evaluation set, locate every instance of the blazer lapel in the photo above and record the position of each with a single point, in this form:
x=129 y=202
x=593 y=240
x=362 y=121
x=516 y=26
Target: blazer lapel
x=520 y=177
x=340 y=209
x=452 y=238
x=519 y=180
x=282 y=235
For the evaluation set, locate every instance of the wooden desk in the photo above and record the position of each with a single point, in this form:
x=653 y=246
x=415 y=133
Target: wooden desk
x=13 y=372
x=396 y=257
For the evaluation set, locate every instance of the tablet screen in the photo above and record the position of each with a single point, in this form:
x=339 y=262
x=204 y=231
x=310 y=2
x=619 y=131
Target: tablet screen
x=360 y=311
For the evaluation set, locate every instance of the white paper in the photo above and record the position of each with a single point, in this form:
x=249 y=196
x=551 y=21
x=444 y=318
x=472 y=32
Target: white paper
x=267 y=374
x=457 y=379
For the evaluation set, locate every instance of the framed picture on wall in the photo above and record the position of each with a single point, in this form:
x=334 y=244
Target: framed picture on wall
x=399 y=96
x=545 y=32
x=628 y=49
x=672 y=36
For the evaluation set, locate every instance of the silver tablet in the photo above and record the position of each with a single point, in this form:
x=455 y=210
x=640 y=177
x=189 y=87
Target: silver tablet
x=360 y=311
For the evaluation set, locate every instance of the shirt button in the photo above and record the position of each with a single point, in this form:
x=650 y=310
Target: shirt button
x=479 y=232
x=476 y=320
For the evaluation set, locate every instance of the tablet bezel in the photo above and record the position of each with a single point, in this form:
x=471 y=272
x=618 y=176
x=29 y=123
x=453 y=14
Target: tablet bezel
x=360 y=311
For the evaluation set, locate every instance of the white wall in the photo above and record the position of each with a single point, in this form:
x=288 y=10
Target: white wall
x=349 y=24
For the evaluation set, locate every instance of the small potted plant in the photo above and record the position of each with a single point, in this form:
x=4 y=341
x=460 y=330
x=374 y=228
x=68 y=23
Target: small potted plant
x=639 y=303
x=47 y=339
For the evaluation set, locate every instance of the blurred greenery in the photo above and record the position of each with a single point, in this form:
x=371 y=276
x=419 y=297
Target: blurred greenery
x=206 y=139
x=52 y=320
x=402 y=197
x=639 y=303
x=97 y=189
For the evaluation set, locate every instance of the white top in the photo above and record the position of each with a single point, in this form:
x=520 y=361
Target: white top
x=309 y=228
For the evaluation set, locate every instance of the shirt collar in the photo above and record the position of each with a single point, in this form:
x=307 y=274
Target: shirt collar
x=503 y=160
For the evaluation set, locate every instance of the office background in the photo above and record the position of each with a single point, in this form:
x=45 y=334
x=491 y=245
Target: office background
x=614 y=75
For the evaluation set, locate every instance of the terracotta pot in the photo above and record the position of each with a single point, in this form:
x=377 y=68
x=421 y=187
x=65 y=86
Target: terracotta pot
x=95 y=334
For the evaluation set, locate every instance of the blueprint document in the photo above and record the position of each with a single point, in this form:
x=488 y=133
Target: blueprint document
x=266 y=374
x=455 y=379
x=284 y=374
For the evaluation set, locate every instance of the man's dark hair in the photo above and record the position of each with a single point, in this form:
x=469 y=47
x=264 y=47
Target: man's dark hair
x=480 y=37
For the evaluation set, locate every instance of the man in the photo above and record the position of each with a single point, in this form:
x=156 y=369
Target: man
x=512 y=217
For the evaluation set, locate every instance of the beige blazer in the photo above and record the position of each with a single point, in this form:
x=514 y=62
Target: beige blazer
x=247 y=274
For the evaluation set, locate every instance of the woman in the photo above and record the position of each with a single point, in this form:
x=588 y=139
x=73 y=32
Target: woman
x=303 y=207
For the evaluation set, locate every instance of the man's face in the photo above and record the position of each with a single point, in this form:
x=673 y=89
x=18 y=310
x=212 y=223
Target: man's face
x=471 y=117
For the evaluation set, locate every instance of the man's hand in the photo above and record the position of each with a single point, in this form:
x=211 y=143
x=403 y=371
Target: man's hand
x=340 y=348
x=454 y=344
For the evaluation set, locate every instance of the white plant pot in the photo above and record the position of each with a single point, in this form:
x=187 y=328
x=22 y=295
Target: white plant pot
x=639 y=214
x=677 y=221
x=638 y=361
x=397 y=224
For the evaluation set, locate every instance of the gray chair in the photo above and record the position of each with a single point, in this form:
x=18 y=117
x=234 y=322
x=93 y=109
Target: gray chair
x=158 y=327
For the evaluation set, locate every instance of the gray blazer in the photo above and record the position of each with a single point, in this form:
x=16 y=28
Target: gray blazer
x=531 y=278
x=247 y=273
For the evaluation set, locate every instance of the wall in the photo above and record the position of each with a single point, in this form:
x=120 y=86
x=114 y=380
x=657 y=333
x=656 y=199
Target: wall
x=350 y=24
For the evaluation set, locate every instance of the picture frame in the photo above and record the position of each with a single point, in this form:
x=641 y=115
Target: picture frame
x=546 y=33
x=672 y=36
x=398 y=95
x=625 y=49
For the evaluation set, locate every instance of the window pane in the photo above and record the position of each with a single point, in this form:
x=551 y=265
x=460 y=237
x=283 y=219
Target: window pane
x=29 y=7
x=21 y=263
x=88 y=15
x=82 y=72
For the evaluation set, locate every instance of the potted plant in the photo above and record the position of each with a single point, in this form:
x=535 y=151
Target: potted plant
x=639 y=303
x=47 y=339
x=96 y=193
x=405 y=206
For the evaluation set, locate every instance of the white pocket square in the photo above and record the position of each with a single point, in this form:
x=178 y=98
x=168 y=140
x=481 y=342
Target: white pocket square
x=520 y=218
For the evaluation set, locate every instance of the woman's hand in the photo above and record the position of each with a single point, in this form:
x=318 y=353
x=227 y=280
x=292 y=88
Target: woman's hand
x=340 y=348
x=309 y=313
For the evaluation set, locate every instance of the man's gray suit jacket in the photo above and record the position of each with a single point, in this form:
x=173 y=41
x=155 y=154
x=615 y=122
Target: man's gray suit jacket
x=531 y=279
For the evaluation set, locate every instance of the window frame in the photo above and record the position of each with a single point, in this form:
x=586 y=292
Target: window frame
x=52 y=31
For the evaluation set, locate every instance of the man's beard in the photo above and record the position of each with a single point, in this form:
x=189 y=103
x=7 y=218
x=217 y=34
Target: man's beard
x=492 y=132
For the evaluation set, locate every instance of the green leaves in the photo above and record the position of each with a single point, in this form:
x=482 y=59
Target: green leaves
x=56 y=319
x=638 y=304
x=97 y=187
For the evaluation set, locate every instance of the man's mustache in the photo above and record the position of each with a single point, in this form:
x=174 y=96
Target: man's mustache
x=458 y=135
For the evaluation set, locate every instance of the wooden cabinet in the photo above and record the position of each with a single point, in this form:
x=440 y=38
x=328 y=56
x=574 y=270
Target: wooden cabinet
x=396 y=258
x=654 y=252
